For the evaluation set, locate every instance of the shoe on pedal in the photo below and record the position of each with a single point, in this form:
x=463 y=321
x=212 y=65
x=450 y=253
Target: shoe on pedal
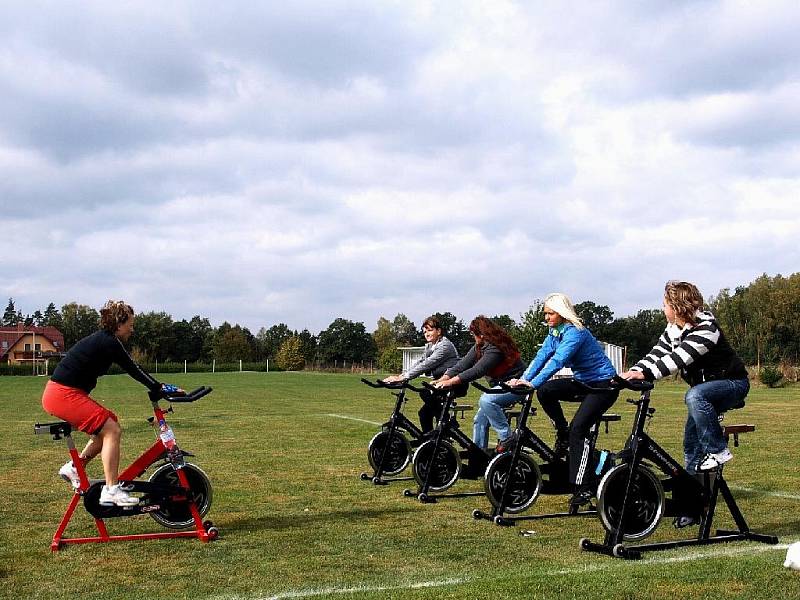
x=561 y=448
x=581 y=497
x=70 y=474
x=684 y=521
x=116 y=496
x=714 y=460
x=506 y=444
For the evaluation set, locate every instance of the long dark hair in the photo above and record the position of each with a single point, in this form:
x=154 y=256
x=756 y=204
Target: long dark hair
x=494 y=334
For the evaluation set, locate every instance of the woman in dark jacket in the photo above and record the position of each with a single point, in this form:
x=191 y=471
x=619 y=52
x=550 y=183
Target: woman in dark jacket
x=496 y=357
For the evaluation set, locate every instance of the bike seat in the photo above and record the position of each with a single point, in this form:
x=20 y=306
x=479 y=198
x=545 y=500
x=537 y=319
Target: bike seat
x=57 y=429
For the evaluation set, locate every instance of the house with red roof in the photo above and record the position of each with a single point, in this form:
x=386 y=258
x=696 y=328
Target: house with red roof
x=24 y=344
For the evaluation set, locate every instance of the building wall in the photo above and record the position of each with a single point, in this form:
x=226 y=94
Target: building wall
x=17 y=353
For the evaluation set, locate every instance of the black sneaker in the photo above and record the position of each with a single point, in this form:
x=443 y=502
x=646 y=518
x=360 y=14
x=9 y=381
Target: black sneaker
x=581 y=498
x=561 y=448
x=684 y=521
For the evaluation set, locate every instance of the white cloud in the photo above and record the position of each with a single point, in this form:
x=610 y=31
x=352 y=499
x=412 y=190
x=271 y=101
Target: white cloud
x=259 y=163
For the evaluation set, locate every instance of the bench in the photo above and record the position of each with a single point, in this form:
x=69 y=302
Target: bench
x=461 y=408
x=735 y=430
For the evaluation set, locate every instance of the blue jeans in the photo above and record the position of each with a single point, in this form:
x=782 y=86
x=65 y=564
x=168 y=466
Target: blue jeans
x=704 y=402
x=490 y=411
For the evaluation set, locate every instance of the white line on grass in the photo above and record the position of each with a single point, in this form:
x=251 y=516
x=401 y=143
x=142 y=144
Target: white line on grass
x=603 y=566
x=777 y=494
x=352 y=419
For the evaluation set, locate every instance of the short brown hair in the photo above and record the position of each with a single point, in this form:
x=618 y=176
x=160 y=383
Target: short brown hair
x=684 y=298
x=114 y=314
x=432 y=322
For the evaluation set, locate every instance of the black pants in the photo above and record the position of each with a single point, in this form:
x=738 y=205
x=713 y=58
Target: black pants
x=432 y=405
x=584 y=423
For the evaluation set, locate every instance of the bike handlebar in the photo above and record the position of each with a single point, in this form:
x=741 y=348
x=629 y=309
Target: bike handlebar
x=617 y=382
x=192 y=396
x=519 y=390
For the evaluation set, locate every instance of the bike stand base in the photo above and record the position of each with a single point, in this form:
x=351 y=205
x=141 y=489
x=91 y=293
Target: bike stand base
x=500 y=519
x=377 y=480
x=634 y=552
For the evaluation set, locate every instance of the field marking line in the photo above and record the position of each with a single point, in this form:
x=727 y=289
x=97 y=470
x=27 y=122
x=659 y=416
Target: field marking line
x=776 y=494
x=310 y=593
x=351 y=419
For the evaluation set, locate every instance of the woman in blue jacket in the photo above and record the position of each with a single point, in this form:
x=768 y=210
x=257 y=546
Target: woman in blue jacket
x=570 y=344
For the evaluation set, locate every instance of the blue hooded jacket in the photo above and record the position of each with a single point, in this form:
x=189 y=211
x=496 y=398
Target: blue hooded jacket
x=568 y=346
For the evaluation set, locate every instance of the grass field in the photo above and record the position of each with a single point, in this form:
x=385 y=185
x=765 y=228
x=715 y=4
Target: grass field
x=284 y=451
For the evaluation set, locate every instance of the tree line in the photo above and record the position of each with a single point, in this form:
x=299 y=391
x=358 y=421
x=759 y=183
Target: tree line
x=761 y=320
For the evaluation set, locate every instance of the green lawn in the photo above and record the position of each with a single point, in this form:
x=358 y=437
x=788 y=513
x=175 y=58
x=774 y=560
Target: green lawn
x=296 y=521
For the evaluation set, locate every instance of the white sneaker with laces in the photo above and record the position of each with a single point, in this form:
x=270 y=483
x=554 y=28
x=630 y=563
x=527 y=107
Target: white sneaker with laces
x=715 y=459
x=115 y=496
x=70 y=474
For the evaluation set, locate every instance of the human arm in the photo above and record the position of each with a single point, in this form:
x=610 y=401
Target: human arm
x=664 y=359
x=124 y=360
x=559 y=354
x=435 y=355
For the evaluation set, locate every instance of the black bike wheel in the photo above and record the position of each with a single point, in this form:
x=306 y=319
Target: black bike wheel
x=176 y=514
x=441 y=469
x=397 y=456
x=645 y=501
x=522 y=489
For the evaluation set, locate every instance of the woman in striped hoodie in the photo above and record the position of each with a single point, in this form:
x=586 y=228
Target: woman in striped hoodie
x=694 y=344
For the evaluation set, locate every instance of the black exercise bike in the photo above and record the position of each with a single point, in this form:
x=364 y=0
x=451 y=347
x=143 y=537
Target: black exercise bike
x=389 y=451
x=514 y=479
x=632 y=495
x=437 y=463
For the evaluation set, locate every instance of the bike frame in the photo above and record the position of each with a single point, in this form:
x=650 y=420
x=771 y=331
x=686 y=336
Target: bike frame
x=134 y=470
x=396 y=421
x=706 y=494
x=528 y=438
x=447 y=428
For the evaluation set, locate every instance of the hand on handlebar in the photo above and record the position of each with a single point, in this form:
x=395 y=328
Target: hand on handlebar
x=167 y=389
x=632 y=375
x=518 y=383
x=393 y=379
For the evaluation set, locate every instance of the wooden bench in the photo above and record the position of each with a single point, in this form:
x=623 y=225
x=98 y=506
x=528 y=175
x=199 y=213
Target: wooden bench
x=461 y=408
x=735 y=430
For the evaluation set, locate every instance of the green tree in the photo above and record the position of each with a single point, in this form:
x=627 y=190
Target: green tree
x=345 y=340
x=531 y=331
x=391 y=360
x=153 y=335
x=52 y=317
x=78 y=321
x=596 y=317
x=384 y=336
x=232 y=343
x=308 y=345
x=405 y=332
x=270 y=340
x=290 y=356
x=10 y=314
x=638 y=333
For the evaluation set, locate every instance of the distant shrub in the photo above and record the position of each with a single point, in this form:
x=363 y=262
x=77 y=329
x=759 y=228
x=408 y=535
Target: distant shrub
x=770 y=376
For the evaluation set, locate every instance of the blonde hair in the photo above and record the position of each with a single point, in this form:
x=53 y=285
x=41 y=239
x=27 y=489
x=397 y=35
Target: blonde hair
x=113 y=314
x=561 y=304
x=684 y=298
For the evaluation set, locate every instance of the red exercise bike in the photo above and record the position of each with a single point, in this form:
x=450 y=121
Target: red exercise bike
x=177 y=495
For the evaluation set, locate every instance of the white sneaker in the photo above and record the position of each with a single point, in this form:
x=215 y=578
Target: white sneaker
x=70 y=474
x=715 y=459
x=115 y=496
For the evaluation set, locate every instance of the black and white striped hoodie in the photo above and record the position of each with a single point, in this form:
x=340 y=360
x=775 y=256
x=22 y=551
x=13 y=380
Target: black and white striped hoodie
x=700 y=352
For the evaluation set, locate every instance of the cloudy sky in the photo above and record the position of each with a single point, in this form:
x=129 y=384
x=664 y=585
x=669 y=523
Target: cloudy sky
x=262 y=163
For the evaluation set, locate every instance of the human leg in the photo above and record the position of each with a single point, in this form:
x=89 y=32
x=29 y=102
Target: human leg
x=492 y=406
x=704 y=403
x=582 y=433
x=431 y=409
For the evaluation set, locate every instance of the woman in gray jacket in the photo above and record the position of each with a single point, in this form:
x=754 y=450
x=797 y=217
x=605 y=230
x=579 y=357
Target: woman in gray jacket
x=439 y=355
